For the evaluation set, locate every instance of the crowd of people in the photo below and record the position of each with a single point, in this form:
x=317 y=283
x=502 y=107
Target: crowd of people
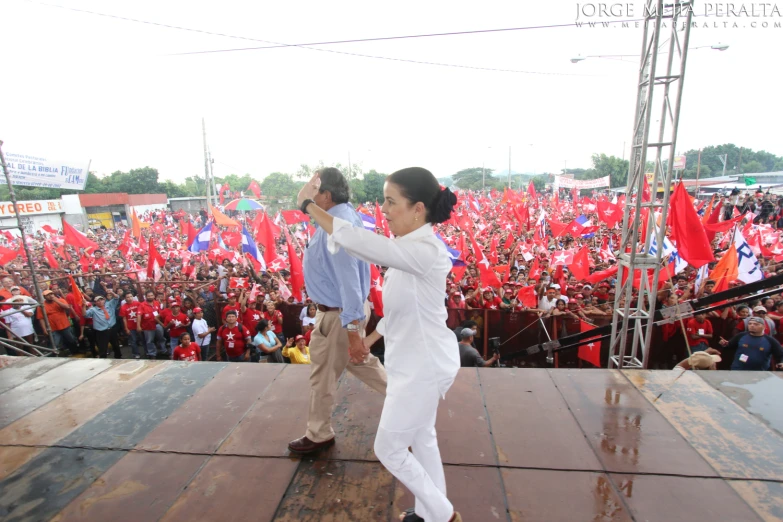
x=551 y=254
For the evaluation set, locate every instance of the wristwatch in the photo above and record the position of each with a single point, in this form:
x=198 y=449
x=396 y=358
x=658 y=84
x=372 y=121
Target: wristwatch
x=304 y=205
x=352 y=327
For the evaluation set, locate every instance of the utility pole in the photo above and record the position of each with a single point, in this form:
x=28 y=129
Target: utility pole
x=698 y=169
x=509 y=167
x=724 y=159
x=206 y=165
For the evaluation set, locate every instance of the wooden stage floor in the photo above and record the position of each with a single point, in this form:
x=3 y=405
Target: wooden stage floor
x=104 y=440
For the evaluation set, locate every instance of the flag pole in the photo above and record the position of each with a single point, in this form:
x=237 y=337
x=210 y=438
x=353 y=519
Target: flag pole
x=33 y=275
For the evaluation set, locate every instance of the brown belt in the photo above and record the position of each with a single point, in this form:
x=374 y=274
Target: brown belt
x=323 y=308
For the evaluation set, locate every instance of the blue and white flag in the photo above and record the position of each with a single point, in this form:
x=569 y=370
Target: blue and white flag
x=368 y=221
x=454 y=255
x=201 y=243
x=249 y=245
x=749 y=268
x=585 y=222
x=668 y=250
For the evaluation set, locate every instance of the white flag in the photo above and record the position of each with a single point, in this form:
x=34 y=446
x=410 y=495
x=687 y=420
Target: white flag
x=749 y=268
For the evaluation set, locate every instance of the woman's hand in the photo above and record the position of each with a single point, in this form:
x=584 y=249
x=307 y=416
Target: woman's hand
x=309 y=190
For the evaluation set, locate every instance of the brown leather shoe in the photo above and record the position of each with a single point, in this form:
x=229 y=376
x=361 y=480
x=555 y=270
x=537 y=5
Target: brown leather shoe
x=305 y=445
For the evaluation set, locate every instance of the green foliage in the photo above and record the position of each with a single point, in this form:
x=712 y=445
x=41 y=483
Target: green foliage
x=752 y=161
x=540 y=181
x=476 y=178
x=236 y=182
x=278 y=185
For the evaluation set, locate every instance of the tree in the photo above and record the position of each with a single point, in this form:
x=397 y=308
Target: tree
x=236 y=182
x=278 y=185
x=539 y=182
x=476 y=178
x=373 y=186
x=612 y=166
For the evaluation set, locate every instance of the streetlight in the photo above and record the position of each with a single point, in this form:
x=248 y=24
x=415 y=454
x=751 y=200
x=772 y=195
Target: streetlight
x=717 y=47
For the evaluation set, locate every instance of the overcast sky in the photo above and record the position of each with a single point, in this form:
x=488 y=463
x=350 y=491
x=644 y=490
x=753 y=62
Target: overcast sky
x=79 y=85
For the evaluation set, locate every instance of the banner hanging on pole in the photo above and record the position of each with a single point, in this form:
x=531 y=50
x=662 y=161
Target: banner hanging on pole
x=40 y=171
x=564 y=182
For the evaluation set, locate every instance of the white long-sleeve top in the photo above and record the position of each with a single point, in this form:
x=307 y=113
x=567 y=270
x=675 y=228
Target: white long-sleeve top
x=422 y=354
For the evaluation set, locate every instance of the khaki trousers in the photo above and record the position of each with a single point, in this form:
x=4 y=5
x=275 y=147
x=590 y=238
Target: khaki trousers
x=328 y=359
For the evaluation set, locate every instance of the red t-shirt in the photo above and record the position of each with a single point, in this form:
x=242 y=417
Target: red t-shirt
x=251 y=318
x=233 y=339
x=179 y=325
x=130 y=312
x=276 y=320
x=148 y=313
x=692 y=326
x=492 y=304
x=98 y=263
x=190 y=353
x=234 y=307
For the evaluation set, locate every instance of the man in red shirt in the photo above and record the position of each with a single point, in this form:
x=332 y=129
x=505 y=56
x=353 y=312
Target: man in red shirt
x=186 y=351
x=176 y=322
x=149 y=311
x=251 y=315
x=231 y=305
x=129 y=312
x=98 y=262
x=699 y=332
x=235 y=338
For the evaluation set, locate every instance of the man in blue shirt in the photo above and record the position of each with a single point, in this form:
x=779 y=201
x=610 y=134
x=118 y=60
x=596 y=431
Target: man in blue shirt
x=754 y=349
x=339 y=284
x=104 y=317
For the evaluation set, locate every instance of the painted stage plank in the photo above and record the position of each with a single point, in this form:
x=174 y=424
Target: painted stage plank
x=337 y=491
x=53 y=421
x=206 y=419
x=278 y=417
x=682 y=498
x=24 y=398
x=462 y=427
x=627 y=433
x=733 y=441
x=766 y=498
x=25 y=369
x=234 y=489
x=759 y=393
x=562 y=496
x=42 y=487
x=476 y=492
x=531 y=423
x=141 y=486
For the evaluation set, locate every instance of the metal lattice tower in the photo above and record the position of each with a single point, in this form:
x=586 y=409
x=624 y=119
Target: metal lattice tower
x=658 y=82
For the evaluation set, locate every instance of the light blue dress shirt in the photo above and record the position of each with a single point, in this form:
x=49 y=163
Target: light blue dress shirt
x=339 y=280
x=99 y=321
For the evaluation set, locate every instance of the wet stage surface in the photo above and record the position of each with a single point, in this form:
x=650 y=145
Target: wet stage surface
x=144 y=441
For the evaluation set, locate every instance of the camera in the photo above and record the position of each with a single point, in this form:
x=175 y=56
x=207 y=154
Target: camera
x=493 y=343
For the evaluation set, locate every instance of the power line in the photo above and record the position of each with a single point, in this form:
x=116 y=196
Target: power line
x=308 y=46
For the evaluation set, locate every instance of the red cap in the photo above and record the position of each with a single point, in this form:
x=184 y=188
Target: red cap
x=197 y=310
x=232 y=295
x=299 y=338
x=211 y=288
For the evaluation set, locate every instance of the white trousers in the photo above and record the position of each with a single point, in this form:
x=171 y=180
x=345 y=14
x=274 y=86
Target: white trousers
x=421 y=471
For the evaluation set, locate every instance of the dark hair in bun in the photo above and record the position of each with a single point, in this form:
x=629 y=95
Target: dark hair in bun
x=418 y=184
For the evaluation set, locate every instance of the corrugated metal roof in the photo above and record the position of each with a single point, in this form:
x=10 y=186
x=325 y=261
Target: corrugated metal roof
x=147 y=199
x=100 y=200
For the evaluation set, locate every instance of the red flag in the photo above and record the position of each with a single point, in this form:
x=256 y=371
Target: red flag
x=238 y=282
x=493 y=251
x=255 y=188
x=78 y=298
x=192 y=233
x=509 y=241
x=380 y=221
x=376 y=290
x=575 y=228
x=590 y=352
x=609 y=213
x=49 y=229
x=266 y=237
x=84 y=262
x=692 y=243
x=527 y=296
x=580 y=267
x=155 y=263
x=7 y=255
x=562 y=257
x=294 y=216
x=297 y=274
x=531 y=191
x=557 y=228
x=535 y=270
x=50 y=258
x=232 y=239
x=488 y=276
x=76 y=239
x=600 y=276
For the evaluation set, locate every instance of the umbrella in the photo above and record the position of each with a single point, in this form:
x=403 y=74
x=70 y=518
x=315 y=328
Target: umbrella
x=244 y=204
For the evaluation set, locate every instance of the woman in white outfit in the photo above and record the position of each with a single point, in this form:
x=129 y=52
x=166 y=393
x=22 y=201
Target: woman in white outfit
x=422 y=355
